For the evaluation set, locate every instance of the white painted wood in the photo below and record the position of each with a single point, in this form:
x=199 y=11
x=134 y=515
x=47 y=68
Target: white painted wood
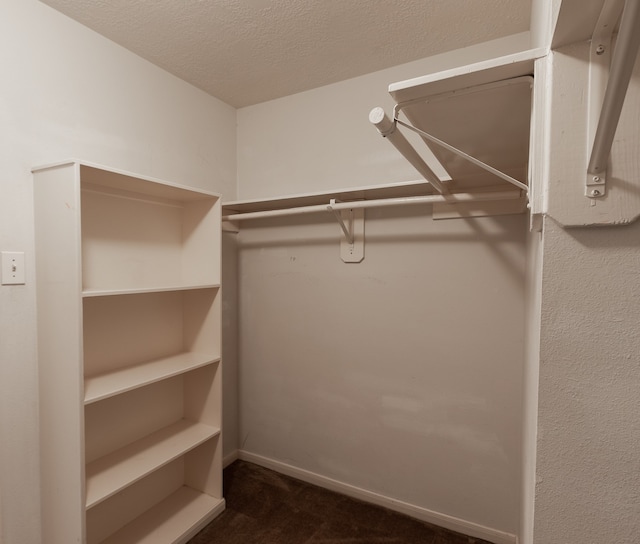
x=480 y=73
x=111 y=515
x=141 y=290
x=109 y=474
x=58 y=286
x=129 y=316
x=122 y=380
x=166 y=523
x=575 y=22
x=489 y=122
x=569 y=149
x=128 y=241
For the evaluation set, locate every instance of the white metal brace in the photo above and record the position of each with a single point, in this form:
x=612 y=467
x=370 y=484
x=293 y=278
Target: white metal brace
x=352 y=244
x=387 y=128
x=605 y=106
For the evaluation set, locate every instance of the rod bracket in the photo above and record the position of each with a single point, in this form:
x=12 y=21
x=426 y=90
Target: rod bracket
x=609 y=76
x=351 y=223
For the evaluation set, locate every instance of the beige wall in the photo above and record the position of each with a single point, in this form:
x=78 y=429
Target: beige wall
x=587 y=462
x=67 y=92
x=588 y=427
x=401 y=375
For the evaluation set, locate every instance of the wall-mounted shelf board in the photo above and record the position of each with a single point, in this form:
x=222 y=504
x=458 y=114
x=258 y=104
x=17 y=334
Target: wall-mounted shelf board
x=138 y=291
x=456 y=79
x=482 y=109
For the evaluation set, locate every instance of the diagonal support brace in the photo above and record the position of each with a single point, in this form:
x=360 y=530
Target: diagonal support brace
x=348 y=232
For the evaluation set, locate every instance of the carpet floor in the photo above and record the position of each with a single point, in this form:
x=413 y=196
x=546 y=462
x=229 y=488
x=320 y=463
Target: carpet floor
x=265 y=507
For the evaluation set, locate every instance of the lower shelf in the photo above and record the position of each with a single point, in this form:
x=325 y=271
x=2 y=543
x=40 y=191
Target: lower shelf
x=173 y=521
x=111 y=473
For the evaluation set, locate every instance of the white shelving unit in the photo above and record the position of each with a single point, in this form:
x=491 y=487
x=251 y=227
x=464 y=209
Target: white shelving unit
x=128 y=297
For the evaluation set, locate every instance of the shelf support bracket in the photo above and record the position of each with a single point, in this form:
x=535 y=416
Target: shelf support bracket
x=602 y=127
x=352 y=243
x=388 y=129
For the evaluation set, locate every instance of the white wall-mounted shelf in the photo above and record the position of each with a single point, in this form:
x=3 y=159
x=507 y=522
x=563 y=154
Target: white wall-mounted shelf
x=475 y=120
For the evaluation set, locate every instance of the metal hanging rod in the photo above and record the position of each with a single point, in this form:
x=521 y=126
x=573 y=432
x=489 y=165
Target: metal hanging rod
x=622 y=63
x=333 y=206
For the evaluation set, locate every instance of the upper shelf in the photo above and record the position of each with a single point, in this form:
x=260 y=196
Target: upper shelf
x=483 y=109
x=456 y=79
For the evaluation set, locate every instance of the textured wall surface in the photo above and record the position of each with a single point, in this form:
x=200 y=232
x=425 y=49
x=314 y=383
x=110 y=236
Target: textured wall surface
x=589 y=424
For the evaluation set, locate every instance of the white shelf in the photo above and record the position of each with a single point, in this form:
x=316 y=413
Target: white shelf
x=113 y=383
x=115 y=471
x=176 y=519
x=480 y=73
x=483 y=110
x=138 y=291
x=118 y=180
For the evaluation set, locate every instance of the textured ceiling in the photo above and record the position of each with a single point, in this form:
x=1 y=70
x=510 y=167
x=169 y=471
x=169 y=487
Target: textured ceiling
x=249 y=51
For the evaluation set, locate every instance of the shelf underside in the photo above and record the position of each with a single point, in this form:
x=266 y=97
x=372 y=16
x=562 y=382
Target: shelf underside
x=115 y=471
x=490 y=122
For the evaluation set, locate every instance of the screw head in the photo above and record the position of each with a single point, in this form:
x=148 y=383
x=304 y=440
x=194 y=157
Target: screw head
x=596 y=179
x=595 y=192
x=600 y=50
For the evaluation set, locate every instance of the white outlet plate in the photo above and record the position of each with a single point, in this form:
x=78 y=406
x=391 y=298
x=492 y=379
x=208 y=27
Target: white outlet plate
x=13 y=268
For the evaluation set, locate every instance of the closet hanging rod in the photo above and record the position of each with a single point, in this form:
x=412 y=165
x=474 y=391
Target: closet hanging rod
x=622 y=63
x=378 y=203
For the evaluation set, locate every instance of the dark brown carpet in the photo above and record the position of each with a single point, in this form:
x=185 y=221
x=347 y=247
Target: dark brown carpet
x=265 y=507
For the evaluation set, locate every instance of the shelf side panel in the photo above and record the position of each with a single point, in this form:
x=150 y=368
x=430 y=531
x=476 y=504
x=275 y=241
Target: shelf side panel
x=201 y=242
x=59 y=311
